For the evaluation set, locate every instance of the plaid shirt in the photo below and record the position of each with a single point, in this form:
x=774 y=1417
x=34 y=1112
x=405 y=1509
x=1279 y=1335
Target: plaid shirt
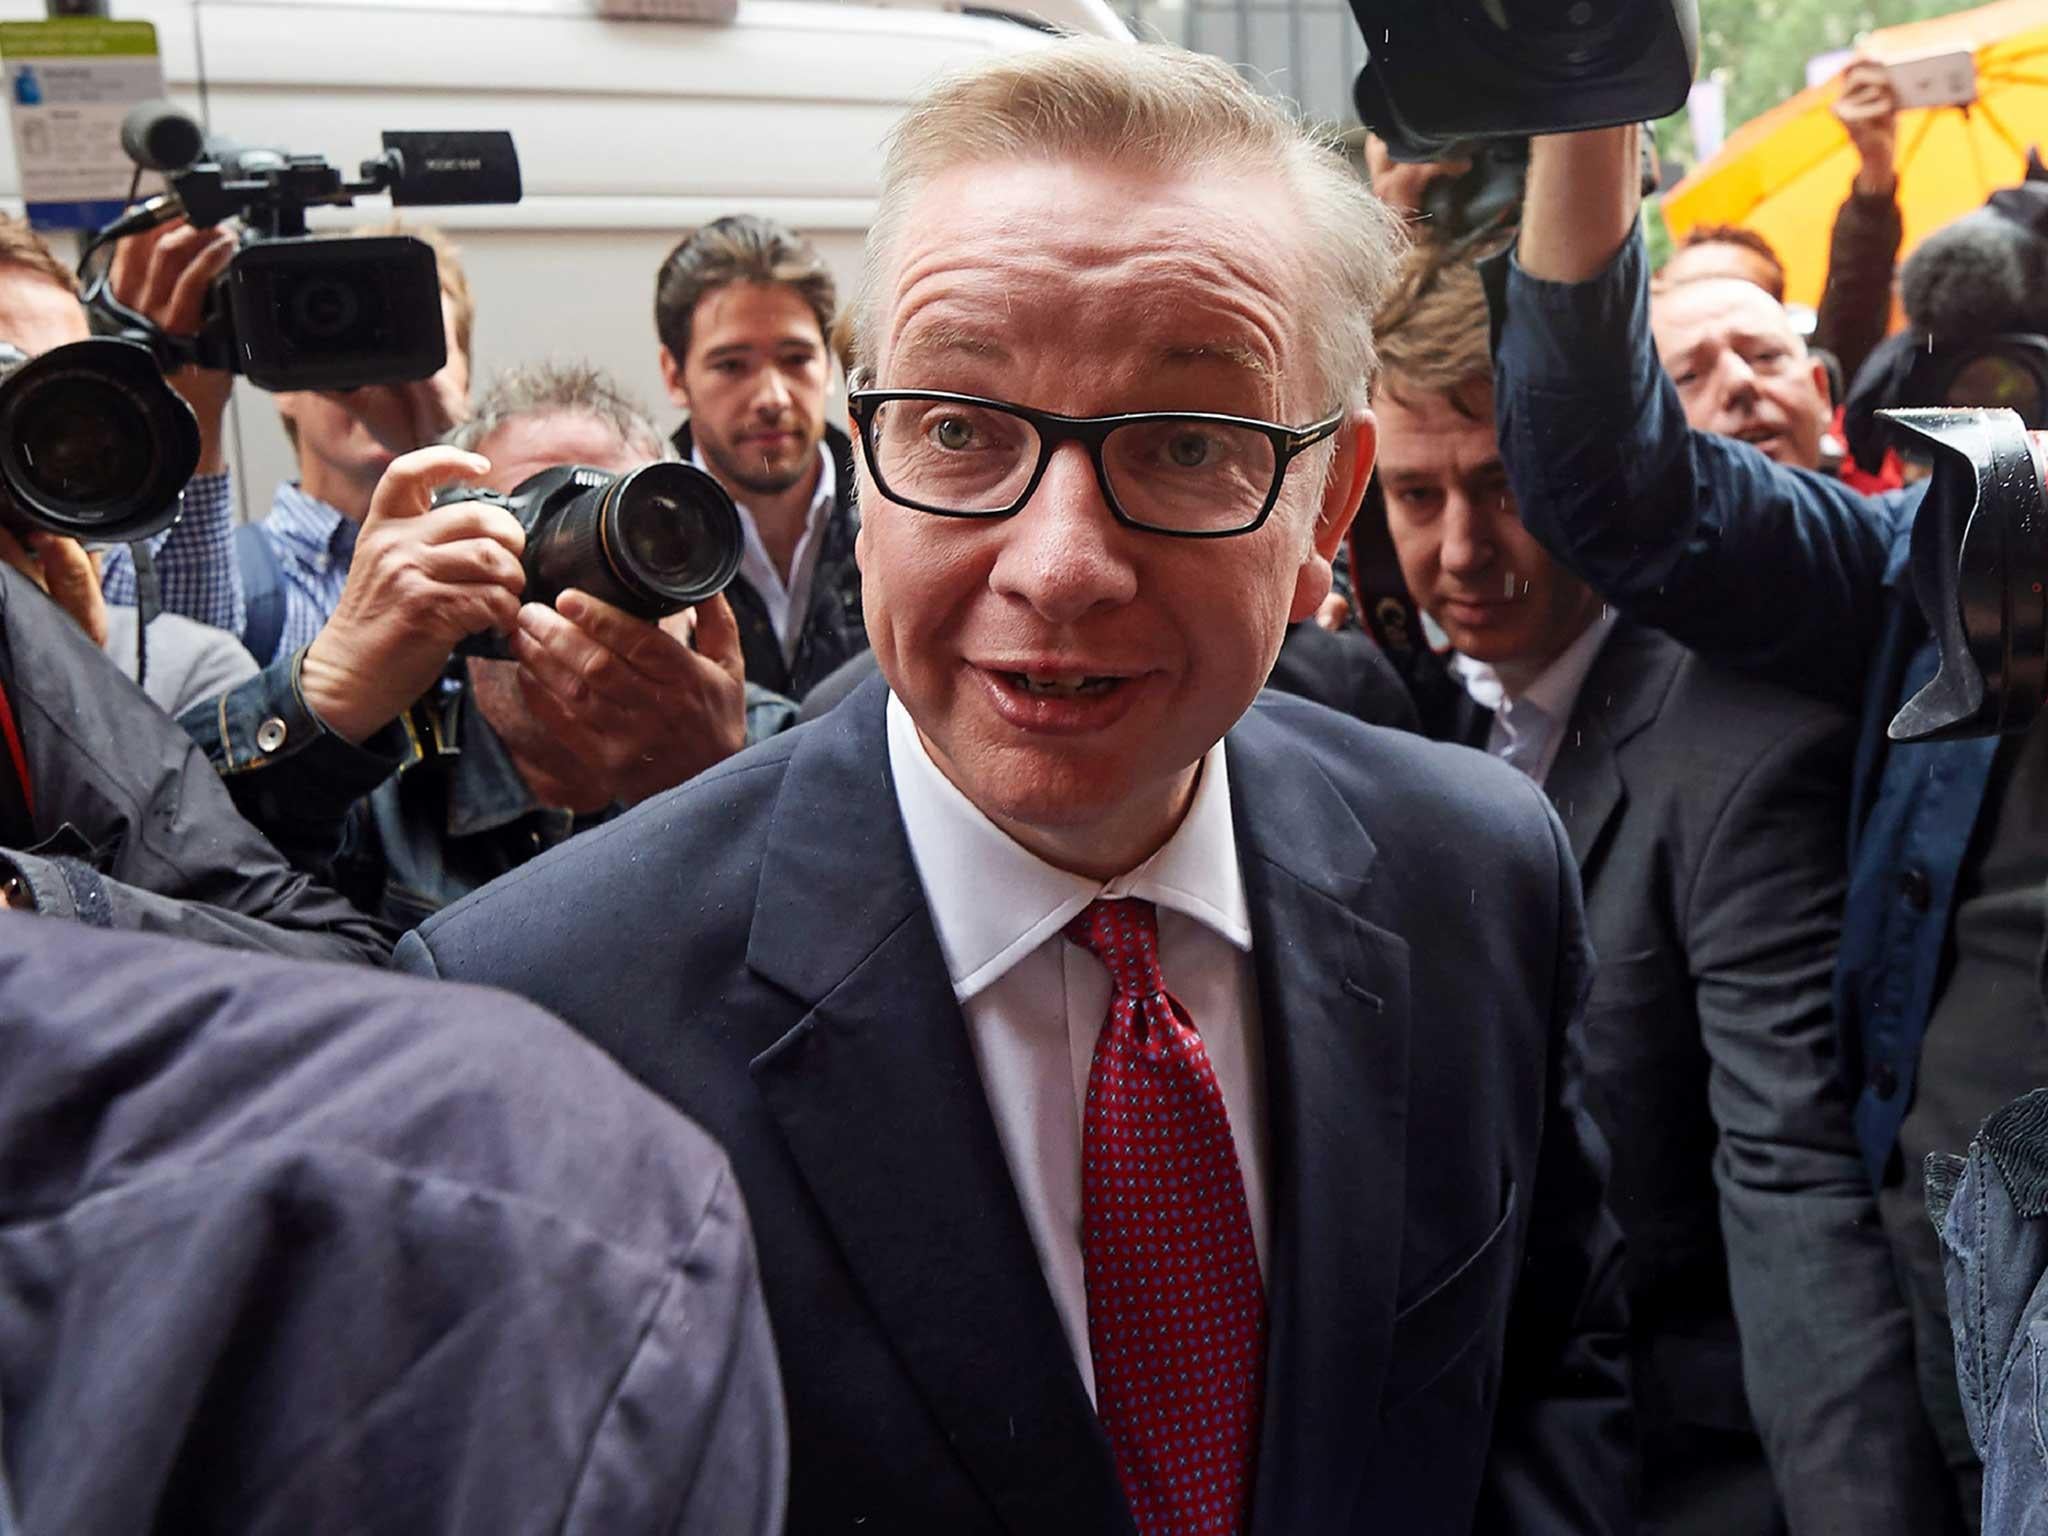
x=200 y=577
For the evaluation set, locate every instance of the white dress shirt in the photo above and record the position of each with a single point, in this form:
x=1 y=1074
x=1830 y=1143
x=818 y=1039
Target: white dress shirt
x=1034 y=1002
x=1528 y=726
x=787 y=604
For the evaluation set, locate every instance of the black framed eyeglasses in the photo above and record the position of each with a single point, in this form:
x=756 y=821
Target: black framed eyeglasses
x=1190 y=474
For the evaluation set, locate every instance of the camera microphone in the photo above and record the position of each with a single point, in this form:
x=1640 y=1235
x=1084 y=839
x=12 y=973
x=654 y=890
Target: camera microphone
x=160 y=136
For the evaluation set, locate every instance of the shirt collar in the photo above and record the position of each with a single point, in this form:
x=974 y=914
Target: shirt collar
x=1555 y=690
x=316 y=532
x=993 y=902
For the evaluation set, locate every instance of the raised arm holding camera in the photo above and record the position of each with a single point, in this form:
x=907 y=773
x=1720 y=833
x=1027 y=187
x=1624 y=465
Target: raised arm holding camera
x=1793 y=576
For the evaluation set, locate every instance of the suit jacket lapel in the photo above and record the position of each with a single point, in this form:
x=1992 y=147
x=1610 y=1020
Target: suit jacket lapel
x=880 y=1101
x=1623 y=692
x=1333 y=1001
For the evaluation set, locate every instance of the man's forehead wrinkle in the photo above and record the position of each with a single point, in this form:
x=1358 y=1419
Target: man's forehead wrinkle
x=1160 y=304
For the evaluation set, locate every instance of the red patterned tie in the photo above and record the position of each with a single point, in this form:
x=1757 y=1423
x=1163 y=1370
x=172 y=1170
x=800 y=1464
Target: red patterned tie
x=1176 y=1313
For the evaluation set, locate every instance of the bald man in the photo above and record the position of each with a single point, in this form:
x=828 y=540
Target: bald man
x=1742 y=371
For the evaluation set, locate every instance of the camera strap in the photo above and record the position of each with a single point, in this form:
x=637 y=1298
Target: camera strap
x=149 y=602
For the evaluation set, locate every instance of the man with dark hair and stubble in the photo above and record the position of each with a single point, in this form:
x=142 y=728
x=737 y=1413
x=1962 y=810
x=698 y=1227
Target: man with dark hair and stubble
x=743 y=308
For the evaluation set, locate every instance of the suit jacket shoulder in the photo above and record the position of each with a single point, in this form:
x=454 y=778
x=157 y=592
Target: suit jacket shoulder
x=364 y=1225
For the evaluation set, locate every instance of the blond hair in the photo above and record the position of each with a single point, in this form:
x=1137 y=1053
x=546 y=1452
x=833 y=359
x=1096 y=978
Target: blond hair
x=448 y=264
x=1433 y=330
x=1163 y=108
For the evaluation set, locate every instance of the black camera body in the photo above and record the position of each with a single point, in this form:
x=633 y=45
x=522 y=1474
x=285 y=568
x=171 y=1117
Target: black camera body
x=291 y=311
x=653 y=541
x=306 y=313
x=93 y=443
x=1439 y=72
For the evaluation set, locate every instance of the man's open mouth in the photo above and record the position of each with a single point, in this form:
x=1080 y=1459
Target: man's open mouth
x=1060 y=687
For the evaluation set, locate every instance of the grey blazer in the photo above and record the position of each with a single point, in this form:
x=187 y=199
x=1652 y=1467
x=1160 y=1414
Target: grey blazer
x=1708 y=815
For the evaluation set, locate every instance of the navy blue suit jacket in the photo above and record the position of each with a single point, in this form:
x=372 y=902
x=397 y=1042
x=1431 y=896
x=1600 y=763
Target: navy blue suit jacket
x=1445 y=1315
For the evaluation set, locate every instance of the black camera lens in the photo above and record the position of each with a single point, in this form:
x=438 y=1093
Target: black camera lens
x=324 y=310
x=81 y=442
x=94 y=443
x=652 y=541
x=673 y=533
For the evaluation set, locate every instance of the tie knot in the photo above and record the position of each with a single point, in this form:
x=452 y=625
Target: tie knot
x=1124 y=936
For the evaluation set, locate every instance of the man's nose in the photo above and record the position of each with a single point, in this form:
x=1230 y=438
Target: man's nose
x=1064 y=553
x=771 y=393
x=1738 y=382
x=1468 y=546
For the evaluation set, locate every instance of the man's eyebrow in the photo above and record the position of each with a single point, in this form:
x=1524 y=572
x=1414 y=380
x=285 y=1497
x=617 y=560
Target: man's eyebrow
x=747 y=348
x=1235 y=354
x=940 y=337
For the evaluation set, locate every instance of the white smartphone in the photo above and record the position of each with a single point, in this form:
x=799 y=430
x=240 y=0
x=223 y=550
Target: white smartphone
x=1935 y=80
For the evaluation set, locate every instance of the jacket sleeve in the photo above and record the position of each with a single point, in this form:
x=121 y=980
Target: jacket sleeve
x=1856 y=307
x=1827 y=1347
x=286 y=772
x=130 y=828
x=1563 y=1452
x=196 y=569
x=1777 y=571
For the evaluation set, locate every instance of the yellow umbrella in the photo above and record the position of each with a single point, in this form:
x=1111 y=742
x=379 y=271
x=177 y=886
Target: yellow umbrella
x=1785 y=173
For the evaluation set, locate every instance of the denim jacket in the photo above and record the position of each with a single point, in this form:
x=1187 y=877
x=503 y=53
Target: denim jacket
x=1780 y=572
x=421 y=814
x=1991 y=1210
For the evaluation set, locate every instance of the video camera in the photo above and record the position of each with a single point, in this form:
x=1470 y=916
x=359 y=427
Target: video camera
x=653 y=541
x=1473 y=79
x=293 y=311
x=1979 y=563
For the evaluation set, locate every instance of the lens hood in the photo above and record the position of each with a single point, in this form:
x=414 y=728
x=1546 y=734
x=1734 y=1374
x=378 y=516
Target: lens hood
x=94 y=443
x=1979 y=560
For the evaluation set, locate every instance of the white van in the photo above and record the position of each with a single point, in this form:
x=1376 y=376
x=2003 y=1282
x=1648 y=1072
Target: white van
x=630 y=132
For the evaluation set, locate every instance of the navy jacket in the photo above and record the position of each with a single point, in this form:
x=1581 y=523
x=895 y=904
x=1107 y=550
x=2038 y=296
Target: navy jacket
x=1783 y=573
x=1446 y=1321
x=109 y=815
x=298 y=1248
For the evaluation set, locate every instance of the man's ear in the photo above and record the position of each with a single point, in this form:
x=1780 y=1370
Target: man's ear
x=1357 y=443
x=1823 y=391
x=672 y=378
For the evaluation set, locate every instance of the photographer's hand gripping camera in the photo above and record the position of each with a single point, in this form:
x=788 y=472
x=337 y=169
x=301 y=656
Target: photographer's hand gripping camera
x=94 y=443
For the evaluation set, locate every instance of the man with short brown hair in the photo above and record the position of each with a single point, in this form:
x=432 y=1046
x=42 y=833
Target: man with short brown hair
x=1771 y=1351
x=744 y=309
